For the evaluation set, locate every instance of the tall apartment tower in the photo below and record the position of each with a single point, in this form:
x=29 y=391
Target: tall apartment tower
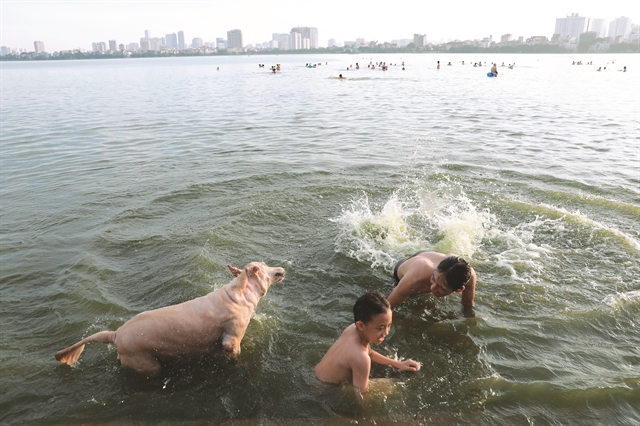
x=620 y=27
x=295 y=40
x=572 y=26
x=38 y=46
x=419 y=40
x=147 y=34
x=600 y=27
x=282 y=39
x=181 y=45
x=506 y=38
x=113 y=46
x=310 y=33
x=171 y=41
x=234 y=39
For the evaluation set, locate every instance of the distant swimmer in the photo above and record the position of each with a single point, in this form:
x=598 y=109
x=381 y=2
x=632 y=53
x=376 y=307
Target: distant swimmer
x=599 y=69
x=462 y=62
x=218 y=69
x=449 y=64
x=624 y=69
x=341 y=77
x=438 y=64
x=494 y=70
x=511 y=65
x=502 y=64
x=435 y=273
x=357 y=66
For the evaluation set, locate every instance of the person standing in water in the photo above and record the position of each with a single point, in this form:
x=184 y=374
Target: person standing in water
x=435 y=273
x=494 y=70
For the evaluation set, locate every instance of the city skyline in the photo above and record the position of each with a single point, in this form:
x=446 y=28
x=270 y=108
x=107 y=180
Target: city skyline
x=72 y=25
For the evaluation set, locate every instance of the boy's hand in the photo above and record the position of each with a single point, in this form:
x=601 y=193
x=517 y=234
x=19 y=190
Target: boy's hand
x=409 y=365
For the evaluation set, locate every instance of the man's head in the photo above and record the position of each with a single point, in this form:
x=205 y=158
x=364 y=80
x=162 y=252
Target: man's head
x=451 y=275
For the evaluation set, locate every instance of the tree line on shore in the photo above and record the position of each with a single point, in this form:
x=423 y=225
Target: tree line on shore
x=508 y=49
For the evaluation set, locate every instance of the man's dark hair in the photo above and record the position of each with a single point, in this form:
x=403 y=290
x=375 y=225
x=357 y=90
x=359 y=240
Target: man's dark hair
x=370 y=304
x=456 y=271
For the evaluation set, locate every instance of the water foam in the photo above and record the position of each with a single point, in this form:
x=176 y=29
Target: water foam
x=405 y=224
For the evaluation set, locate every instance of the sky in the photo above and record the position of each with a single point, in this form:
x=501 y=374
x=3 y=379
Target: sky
x=65 y=25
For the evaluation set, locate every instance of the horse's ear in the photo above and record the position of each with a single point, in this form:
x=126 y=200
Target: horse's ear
x=234 y=271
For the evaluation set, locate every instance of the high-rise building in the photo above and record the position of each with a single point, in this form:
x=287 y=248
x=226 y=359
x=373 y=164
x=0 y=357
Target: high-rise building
x=419 y=40
x=234 y=39
x=295 y=40
x=620 y=27
x=155 y=43
x=113 y=45
x=133 y=47
x=171 y=41
x=221 y=44
x=507 y=38
x=572 y=26
x=145 y=44
x=332 y=42
x=147 y=34
x=100 y=46
x=181 y=44
x=5 y=50
x=600 y=27
x=196 y=43
x=38 y=46
x=306 y=32
x=282 y=39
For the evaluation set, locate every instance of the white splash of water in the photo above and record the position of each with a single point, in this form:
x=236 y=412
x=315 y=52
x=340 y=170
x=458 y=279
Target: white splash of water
x=402 y=226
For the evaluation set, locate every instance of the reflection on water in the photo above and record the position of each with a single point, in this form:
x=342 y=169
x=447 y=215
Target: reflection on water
x=129 y=185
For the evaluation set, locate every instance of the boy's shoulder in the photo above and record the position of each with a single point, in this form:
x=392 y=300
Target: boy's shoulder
x=352 y=347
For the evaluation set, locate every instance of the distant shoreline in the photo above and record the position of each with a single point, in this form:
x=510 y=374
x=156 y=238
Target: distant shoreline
x=518 y=49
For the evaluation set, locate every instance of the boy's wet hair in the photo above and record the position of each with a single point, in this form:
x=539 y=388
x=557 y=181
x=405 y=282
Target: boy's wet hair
x=368 y=305
x=456 y=270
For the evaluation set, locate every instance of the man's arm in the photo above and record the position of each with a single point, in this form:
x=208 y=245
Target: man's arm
x=469 y=292
x=408 y=285
x=399 y=294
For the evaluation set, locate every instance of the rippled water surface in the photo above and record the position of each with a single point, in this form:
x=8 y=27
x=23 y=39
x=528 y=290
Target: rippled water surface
x=128 y=185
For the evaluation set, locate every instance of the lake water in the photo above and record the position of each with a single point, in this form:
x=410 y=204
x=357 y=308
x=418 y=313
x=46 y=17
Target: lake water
x=128 y=185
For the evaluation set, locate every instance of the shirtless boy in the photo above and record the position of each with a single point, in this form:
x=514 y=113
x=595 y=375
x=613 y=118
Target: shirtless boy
x=349 y=359
x=435 y=273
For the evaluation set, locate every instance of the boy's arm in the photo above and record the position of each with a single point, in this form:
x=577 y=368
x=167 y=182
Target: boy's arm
x=360 y=369
x=407 y=364
x=469 y=292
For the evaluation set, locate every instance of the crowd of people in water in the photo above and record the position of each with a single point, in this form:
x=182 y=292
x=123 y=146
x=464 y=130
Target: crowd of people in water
x=624 y=69
x=383 y=66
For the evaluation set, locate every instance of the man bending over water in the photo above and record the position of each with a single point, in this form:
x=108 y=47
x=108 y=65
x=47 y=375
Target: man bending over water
x=349 y=359
x=435 y=273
